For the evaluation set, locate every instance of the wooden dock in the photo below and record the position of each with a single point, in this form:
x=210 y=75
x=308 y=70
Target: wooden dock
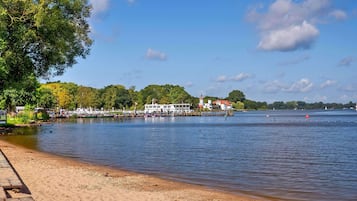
x=9 y=180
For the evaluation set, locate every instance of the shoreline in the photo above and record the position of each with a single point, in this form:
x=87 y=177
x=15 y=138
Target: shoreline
x=53 y=177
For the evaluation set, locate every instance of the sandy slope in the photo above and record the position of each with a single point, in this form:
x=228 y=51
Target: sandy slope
x=50 y=177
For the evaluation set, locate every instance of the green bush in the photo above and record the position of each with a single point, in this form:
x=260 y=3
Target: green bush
x=42 y=115
x=23 y=117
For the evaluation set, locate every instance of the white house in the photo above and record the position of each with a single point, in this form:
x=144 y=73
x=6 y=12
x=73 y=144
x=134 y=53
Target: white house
x=224 y=104
x=203 y=105
x=168 y=108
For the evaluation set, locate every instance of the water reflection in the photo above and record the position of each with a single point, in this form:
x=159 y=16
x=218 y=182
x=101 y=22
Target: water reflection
x=16 y=136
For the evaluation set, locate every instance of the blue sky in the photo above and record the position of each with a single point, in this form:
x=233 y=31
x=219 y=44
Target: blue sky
x=272 y=50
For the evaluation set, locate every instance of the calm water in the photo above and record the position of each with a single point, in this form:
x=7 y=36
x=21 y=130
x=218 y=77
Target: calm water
x=277 y=154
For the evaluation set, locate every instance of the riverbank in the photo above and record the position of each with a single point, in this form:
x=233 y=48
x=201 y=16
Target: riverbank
x=50 y=177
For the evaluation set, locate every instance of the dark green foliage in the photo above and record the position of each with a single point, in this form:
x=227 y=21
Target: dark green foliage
x=235 y=96
x=115 y=96
x=280 y=105
x=254 y=105
x=20 y=93
x=41 y=38
x=46 y=99
x=165 y=94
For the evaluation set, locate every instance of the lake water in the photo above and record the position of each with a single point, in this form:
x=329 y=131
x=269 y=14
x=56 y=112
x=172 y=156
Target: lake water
x=274 y=154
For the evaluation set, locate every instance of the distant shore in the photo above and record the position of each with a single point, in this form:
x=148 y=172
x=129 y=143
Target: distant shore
x=50 y=177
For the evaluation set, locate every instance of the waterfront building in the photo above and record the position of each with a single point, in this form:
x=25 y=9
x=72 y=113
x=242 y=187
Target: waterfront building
x=223 y=104
x=208 y=105
x=201 y=102
x=177 y=108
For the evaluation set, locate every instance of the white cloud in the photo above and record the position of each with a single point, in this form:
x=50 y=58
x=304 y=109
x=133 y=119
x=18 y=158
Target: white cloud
x=290 y=25
x=289 y=38
x=222 y=78
x=241 y=77
x=320 y=98
x=237 y=78
x=347 y=61
x=155 y=55
x=349 y=88
x=328 y=83
x=338 y=14
x=316 y=98
x=303 y=85
x=273 y=86
x=99 y=6
x=347 y=98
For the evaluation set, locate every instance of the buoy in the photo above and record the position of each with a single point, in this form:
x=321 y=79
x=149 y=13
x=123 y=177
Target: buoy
x=307 y=116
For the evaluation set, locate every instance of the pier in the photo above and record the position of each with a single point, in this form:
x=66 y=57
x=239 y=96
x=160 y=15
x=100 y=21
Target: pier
x=10 y=181
x=84 y=113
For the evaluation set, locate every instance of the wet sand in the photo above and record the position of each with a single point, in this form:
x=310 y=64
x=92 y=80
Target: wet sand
x=51 y=177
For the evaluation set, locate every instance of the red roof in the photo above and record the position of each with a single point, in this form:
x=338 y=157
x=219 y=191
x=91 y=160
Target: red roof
x=222 y=102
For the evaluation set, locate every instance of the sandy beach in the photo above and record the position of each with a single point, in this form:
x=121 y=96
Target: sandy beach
x=50 y=177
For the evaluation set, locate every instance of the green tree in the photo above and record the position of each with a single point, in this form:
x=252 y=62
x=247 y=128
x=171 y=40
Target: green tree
x=116 y=96
x=71 y=90
x=301 y=104
x=238 y=105
x=255 y=105
x=165 y=94
x=19 y=94
x=279 y=105
x=178 y=94
x=151 y=92
x=8 y=99
x=235 y=96
x=250 y=104
x=41 y=37
x=46 y=99
x=135 y=98
x=291 y=105
x=65 y=93
x=88 y=97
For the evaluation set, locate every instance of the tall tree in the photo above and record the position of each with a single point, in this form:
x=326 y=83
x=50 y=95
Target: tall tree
x=65 y=93
x=235 y=96
x=46 y=99
x=19 y=94
x=165 y=94
x=41 y=37
x=88 y=97
x=116 y=96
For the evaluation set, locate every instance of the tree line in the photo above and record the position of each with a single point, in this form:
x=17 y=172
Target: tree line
x=70 y=96
x=57 y=95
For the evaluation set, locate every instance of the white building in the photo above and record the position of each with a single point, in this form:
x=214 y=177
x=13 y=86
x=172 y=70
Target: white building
x=203 y=105
x=224 y=104
x=208 y=105
x=167 y=108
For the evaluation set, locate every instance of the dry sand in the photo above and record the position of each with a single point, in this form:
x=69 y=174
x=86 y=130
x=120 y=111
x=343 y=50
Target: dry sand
x=50 y=177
